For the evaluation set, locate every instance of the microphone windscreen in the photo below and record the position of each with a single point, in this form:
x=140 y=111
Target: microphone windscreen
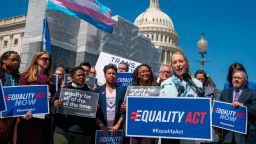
x=186 y=77
x=181 y=89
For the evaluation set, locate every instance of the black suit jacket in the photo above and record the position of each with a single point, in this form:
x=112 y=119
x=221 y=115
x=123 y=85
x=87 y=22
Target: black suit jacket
x=248 y=99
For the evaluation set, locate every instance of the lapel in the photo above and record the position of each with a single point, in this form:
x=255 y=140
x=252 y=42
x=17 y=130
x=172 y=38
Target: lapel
x=230 y=95
x=104 y=100
x=243 y=95
x=117 y=99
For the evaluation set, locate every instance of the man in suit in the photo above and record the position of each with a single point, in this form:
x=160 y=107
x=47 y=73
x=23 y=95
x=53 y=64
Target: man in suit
x=239 y=95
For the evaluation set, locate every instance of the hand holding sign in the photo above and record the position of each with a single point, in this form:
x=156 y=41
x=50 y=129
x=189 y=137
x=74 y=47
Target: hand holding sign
x=236 y=104
x=28 y=115
x=57 y=103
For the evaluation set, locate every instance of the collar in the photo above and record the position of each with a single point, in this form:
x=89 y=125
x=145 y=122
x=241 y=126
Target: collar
x=76 y=85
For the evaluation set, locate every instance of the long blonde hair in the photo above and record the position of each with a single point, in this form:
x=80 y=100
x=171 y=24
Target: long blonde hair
x=33 y=69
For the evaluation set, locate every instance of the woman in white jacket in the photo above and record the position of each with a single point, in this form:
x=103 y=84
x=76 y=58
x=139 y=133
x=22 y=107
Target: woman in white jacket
x=171 y=87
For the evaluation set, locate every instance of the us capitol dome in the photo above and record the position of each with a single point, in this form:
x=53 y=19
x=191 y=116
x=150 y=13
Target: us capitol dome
x=156 y=25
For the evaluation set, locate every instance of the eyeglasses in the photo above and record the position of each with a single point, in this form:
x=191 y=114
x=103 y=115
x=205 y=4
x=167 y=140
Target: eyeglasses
x=165 y=72
x=144 y=72
x=14 y=60
x=59 y=74
x=45 y=59
x=237 y=78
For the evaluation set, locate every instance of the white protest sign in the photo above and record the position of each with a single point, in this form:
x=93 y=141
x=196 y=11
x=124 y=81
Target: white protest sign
x=105 y=59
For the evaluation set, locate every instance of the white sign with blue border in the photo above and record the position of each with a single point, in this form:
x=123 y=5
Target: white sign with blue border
x=226 y=117
x=177 y=118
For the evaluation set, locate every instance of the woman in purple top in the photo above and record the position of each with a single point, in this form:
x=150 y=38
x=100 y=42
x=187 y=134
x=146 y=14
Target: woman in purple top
x=30 y=130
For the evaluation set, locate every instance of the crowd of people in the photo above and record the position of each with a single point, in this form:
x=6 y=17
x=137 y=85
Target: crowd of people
x=57 y=128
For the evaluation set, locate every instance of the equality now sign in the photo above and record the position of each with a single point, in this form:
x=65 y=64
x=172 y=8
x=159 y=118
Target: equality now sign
x=179 y=118
x=226 y=117
x=2 y=101
x=21 y=99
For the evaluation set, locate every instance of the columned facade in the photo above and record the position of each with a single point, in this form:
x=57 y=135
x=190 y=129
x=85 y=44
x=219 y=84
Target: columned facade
x=158 y=26
x=12 y=33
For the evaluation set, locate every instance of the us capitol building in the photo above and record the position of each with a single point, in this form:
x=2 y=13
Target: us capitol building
x=158 y=26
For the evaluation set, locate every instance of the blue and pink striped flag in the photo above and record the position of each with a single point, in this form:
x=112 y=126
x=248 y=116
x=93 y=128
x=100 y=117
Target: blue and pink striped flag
x=89 y=10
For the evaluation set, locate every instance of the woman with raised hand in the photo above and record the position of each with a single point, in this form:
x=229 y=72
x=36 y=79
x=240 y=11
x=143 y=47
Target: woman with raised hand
x=9 y=74
x=28 y=129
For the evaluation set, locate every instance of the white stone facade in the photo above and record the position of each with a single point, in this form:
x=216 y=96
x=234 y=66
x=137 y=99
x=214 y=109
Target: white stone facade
x=158 y=26
x=12 y=33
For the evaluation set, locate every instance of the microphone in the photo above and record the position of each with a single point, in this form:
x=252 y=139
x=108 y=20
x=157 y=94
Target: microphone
x=180 y=90
x=187 y=78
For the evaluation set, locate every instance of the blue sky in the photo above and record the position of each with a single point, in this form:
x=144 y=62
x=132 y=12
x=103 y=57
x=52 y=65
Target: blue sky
x=229 y=27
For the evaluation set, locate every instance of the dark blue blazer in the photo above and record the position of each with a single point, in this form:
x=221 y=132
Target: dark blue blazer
x=102 y=111
x=248 y=99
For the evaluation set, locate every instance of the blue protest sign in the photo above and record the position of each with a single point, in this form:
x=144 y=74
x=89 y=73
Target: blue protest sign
x=226 y=117
x=179 y=118
x=110 y=138
x=2 y=101
x=124 y=79
x=21 y=99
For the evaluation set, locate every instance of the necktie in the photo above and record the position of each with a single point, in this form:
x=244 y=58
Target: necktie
x=236 y=96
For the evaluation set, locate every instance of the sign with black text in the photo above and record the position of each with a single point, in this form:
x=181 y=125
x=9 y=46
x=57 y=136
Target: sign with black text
x=143 y=91
x=79 y=103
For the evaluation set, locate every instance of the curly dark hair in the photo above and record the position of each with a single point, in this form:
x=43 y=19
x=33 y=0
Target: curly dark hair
x=5 y=56
x=136 y=80
x=73 y=71
x=109 y=66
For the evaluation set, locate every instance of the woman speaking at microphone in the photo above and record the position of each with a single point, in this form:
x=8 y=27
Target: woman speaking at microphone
x=176 y=86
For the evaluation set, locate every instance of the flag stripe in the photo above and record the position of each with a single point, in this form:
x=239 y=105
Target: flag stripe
x=89 y=15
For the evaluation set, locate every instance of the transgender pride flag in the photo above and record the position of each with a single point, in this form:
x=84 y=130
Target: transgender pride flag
x=89 y=10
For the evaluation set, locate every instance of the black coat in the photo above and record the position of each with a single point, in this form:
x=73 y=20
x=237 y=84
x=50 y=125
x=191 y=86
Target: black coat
x=248 y=99
x=70 y=123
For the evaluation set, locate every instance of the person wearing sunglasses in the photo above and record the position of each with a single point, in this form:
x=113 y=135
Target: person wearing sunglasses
x=28 y=129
